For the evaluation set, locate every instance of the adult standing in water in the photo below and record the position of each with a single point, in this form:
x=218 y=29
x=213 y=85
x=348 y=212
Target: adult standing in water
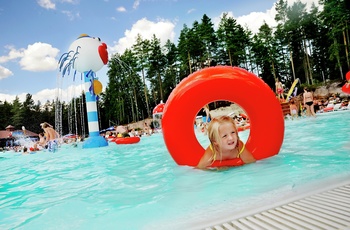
x=51 y=136
x=207 y=113
x=309 y=102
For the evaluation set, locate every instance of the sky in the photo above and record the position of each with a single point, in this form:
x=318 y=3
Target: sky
x=36 y=33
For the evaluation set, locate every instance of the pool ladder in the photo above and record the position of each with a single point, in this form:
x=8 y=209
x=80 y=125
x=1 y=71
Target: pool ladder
x=326 y=210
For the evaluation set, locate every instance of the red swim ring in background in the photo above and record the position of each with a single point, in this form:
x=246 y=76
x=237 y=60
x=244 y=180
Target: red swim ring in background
x=222 y=83
x=244 y=127
x=346 y=86
x=127 y=140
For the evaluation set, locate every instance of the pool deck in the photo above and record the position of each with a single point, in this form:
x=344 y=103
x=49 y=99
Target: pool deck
x=327 y=208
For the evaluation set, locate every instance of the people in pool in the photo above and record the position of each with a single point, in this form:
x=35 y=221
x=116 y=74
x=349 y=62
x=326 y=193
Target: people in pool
x=225 y=149
x=309 y=102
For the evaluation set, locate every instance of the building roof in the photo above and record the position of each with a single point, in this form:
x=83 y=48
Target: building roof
x=4 y=134
x=10 y=127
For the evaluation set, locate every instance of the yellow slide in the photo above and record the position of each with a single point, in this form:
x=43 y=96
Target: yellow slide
x=292 y=88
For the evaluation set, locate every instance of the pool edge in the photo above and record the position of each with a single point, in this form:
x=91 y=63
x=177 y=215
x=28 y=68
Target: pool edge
x=226 y=222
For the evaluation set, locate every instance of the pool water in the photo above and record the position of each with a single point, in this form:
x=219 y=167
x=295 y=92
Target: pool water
x=140 y=186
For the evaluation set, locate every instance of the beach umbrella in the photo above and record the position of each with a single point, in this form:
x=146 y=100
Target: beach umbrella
x=110 y=128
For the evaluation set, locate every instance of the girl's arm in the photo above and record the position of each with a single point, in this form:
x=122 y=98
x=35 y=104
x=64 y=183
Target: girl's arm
x=206 y=159
x=246 y=156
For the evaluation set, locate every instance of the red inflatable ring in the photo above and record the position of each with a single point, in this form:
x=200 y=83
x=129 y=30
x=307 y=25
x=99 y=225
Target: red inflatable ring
x=127 y=140
x=346 y=87
x=222 y=84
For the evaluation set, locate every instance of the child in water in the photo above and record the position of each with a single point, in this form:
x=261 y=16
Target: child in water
x=225 y=149
x=293 y=109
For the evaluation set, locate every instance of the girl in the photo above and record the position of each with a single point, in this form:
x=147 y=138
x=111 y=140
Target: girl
x=225 y=149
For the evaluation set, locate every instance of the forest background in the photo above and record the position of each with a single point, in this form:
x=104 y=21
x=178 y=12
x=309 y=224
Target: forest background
x=312 y=46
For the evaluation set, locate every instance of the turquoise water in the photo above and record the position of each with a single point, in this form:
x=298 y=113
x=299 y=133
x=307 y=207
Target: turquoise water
x=140 y=186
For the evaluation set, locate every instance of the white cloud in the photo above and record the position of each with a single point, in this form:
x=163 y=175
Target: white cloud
x=50 y=5
x=254 y=20
x=39 y=57
x=73 y=91
x=191 y=10
x=10 y=97
x=163 y=30
x=136 y=4
x=71 y=16
x=121 y=9
x=4 y=72
x=47 y=4
x=13 y=54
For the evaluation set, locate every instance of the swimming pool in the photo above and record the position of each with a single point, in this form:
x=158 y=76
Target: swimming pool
x=140 y=186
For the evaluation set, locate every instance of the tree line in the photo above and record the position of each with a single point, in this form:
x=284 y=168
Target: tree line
x=310 y=45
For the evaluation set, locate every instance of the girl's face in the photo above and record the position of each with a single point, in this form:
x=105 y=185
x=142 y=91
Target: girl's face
x=228 y=136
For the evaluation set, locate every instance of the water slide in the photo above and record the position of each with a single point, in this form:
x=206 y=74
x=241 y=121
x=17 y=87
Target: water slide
x=292 y=88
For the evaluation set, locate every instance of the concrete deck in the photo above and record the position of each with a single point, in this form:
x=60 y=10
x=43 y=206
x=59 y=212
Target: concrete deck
x=327 y=208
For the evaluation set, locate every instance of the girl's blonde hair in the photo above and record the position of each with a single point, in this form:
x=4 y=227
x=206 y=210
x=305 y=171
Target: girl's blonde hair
x=213 y=133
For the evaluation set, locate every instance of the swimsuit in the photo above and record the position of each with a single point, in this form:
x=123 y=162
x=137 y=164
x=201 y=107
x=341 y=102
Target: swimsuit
x=239 y=153
x=309 y=103
x=52 y=146
x=279 y=90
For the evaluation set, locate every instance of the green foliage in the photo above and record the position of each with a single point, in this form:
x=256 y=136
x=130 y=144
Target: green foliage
x=305 y=45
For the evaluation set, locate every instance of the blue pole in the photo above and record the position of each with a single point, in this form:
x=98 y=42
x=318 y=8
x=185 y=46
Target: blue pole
x=94 y=140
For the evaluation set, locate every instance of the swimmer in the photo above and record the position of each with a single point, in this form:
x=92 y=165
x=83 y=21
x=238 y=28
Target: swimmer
x=293 y=109
x=25 y=150
x=225 y=145
x=42 y=140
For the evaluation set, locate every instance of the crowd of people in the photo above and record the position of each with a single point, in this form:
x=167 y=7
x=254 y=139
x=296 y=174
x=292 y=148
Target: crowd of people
x=49 y=139
x=124 y=131
x=310 y=105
